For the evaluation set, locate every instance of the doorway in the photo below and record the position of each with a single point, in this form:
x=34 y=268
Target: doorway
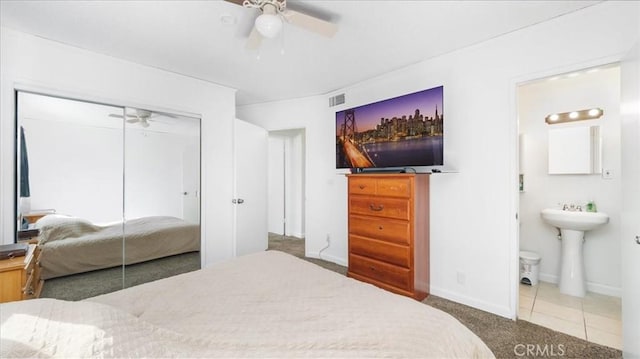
x=286 y=183
x=597 y=316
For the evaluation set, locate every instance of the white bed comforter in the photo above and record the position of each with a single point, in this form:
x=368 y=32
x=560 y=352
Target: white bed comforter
x=268 y=304
x=44 y=328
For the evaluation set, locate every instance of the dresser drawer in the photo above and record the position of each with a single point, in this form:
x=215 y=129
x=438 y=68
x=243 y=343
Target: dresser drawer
x=396 y=276
x=380 y=207
x=391 y=230
x=388 y=252
x=362 y=185
x=393 y=187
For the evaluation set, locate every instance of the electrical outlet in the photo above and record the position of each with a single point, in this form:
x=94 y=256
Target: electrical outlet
x=607 y=174
x=460 y=277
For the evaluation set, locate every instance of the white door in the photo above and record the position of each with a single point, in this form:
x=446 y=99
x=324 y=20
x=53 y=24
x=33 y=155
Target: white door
x=250 y=200
x=630 y=102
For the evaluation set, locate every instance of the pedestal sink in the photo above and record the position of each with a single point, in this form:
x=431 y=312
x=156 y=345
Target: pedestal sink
x=572 y=225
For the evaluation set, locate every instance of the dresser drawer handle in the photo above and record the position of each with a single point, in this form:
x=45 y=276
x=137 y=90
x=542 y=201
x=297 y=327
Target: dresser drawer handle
x=362 y=186
x=380 y=227
x=373 y=207
x=372 y=268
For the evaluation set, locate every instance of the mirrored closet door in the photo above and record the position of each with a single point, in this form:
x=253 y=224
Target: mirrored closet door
x=107 y=195
x=161 y=195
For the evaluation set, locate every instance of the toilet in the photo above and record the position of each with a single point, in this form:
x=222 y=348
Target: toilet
x=529 y=267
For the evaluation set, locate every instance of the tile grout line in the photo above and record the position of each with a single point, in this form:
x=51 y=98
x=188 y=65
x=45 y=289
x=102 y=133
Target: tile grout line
x=584 y=320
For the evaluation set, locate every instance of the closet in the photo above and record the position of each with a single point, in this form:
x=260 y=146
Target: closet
x=103 y=172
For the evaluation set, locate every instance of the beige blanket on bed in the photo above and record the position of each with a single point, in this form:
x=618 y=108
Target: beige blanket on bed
x=79 y=246
x=271 y=304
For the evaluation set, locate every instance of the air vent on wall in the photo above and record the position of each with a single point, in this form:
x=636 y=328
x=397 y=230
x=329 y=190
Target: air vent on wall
x=336 y=100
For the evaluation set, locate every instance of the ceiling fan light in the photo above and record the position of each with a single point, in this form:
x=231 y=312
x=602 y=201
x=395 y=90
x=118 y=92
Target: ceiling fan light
x=268 y=25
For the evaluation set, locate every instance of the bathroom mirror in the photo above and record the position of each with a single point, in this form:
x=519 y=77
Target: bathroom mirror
x=109 y=195
x=575 y=150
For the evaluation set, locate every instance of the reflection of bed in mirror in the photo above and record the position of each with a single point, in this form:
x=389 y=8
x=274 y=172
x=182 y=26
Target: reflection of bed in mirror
x=73 y=245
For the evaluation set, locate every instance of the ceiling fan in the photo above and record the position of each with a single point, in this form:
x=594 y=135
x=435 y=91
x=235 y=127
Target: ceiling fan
x=139 y=116
x=269 y=23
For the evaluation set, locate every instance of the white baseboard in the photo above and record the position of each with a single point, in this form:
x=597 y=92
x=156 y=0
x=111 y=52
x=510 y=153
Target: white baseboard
x=327 y=257
x=591 y=287
x=472 y=302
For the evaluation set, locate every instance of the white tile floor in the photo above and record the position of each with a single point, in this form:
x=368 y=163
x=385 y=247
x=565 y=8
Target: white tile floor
x=595 y=318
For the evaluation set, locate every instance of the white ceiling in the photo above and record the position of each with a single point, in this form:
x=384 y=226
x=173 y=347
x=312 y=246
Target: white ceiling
x=188 y=37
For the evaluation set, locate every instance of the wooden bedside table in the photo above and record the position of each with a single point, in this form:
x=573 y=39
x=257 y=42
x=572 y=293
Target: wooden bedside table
x=20 y=276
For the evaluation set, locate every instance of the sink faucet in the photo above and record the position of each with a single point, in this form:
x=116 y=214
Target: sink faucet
x=571 y=207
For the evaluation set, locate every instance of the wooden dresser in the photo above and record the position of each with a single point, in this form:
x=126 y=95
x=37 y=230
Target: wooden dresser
x=20 y=276
x=389 y=231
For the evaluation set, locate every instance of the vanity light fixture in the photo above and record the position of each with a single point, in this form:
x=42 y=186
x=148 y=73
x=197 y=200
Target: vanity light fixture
x=581 y=115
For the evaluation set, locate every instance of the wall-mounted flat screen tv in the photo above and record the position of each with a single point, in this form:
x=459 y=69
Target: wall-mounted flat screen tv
x=400 y=132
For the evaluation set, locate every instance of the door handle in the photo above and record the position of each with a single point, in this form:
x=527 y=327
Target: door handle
x=237 y=201
x=240 y=201
x=638 y=239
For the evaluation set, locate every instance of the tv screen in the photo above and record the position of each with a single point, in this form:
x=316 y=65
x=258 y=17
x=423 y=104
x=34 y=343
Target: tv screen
x=404 y=131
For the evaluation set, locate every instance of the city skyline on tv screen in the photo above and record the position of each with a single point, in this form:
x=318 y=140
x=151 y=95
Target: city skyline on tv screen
x=404 y=131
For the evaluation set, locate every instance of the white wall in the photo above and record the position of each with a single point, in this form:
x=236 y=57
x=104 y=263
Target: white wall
x=75 y=169
x=473 y=225
x=154 y=172
x=602 y=247
x=275 y=179
x=30 y=61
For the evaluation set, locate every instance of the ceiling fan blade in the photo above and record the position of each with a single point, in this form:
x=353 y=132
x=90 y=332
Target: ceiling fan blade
x=311 y=23
x=237 y=2
x=133 y=120
x=254 y=40
x=114 y=115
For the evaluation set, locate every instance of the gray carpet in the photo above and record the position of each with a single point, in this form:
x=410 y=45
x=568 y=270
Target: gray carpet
x=85 y=285
x=503 y=336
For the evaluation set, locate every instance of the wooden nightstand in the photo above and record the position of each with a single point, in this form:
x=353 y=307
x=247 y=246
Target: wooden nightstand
x=20 y=276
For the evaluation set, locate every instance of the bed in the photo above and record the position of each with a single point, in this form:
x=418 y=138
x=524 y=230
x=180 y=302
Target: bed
x=269 y=304
x=73 y=245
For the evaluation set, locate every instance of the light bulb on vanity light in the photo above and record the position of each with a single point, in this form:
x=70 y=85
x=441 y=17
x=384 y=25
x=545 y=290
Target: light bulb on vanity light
x=591 y=114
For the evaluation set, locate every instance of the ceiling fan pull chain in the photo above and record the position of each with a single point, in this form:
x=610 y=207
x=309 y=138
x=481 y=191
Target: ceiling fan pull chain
x=282 y=42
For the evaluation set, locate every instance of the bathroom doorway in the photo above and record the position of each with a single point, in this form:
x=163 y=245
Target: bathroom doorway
x=597 y=316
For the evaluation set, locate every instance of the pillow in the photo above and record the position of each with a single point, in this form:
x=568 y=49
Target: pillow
x=57 y=219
